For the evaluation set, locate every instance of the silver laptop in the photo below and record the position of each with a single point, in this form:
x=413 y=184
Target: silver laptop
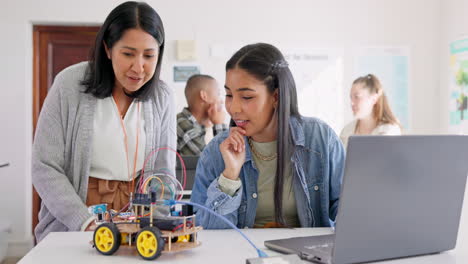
x=401 y=196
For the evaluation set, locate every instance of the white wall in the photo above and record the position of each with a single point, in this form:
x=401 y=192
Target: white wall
x=346 y=24
x=454 y=23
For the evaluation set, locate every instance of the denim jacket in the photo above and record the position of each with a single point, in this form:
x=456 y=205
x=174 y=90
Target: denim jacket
x=317 y=162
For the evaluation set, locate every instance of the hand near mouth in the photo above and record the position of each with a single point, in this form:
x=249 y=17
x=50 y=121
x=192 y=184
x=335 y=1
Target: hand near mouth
x=233 y=152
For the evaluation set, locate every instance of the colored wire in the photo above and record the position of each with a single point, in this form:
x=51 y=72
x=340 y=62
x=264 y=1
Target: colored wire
x=184 y=172
x=157 y=178
x=174 y=181
x=189 y=224
x=167 y=187
x=173 y=202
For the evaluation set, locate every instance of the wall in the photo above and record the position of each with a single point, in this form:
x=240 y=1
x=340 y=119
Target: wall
x=345 y=24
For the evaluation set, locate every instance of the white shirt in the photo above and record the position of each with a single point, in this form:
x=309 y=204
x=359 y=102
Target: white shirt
x=109 y=158
x=382 y=129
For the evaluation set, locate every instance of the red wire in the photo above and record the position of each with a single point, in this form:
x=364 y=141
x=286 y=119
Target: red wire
x=181 y=225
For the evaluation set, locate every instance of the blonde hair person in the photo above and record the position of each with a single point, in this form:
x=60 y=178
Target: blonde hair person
x=371 y=110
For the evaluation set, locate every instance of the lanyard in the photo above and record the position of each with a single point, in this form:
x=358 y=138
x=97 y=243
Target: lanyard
x=135 y=156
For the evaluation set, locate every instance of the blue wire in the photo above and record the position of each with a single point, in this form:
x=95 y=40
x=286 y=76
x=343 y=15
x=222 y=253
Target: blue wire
x=260 y=252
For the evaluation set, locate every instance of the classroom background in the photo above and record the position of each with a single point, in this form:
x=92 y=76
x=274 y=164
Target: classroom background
x=418 y=46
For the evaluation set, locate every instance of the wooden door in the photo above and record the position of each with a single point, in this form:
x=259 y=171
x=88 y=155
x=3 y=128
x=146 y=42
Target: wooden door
x=55 y=48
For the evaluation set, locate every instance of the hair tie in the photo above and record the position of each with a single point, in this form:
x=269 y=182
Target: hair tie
x=281 y=64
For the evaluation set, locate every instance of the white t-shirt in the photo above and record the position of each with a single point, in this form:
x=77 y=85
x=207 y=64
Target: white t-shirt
x=382 y=129
x=109 y=159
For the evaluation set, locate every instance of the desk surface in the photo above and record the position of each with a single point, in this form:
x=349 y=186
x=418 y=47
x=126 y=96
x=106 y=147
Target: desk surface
x=218 y=246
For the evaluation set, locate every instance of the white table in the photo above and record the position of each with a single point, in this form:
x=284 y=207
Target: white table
x=218 y=246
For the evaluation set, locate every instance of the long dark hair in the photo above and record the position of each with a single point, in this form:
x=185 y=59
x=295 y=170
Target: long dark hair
x=381 y=112
x=266 y=63
x=99 y=79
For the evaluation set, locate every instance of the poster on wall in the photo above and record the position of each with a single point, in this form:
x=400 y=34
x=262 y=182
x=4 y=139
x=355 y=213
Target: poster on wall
x=391 y=66
x=183 y=73
x=458 y=86
x=318 y=73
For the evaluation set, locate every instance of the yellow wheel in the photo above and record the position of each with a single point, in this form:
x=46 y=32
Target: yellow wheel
x=149 y=243
x=107 y=238
x=186 y=238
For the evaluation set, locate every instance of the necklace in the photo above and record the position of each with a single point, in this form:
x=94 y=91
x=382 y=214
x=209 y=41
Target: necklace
x=259 y=155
